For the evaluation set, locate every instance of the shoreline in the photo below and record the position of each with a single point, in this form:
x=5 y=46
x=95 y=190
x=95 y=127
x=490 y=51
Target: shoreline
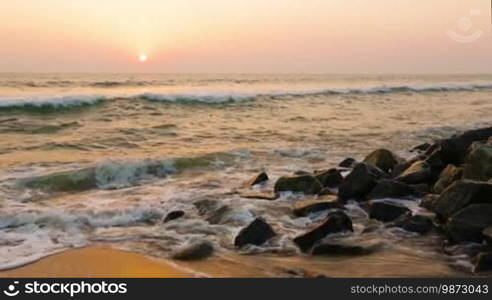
x=98 y=262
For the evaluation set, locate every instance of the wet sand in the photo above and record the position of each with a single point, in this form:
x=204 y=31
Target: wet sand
x=101 y=261
x=98 y=262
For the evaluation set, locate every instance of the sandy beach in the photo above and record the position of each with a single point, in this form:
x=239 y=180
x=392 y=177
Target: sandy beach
x=97 y=262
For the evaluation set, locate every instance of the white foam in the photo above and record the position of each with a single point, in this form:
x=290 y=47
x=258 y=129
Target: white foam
x=46 y=101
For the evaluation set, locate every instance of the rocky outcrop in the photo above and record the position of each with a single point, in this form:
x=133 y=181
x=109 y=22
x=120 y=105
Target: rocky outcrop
x=194 y=251
x=306 y=184
x=386 y=211
x=173 y=215
x=478 y=165
x=419 y=172
x=382 y=159
x=360 y=182
x=449 y=175
x=454 y=149
x=483 y=262
x=305 y=207
x=257 y=179
x=330 y=178
x=419 y=224
x=468 y=224
x=335 y=222
x=256 y=233
x=348 y=163
x=387 y=188
x=461 y=194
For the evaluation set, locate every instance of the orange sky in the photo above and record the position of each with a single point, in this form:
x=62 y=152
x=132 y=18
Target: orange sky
x=309 y=36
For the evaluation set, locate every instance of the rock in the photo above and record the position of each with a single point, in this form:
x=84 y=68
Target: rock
x=219 y=215
x=335 y=222
x=306 y=184
x=342 y=247
x=256 y=233
x=174 y=215
x=330 y=178
x=387 y=188
x=478 y=165
x=260 y=195
x=301 y=172
x=305 y=207
x=400 y=168
x=348 y=163
x=359 y=182
x=419 y=224
x=454 y=149
x=418 y=172
x=386 y=211
x=421 y=148
x=421 y=189
x=483 y=262
x=428 y=201
x=487 y=234
x=194 y=251
x=382 y=159
x=205 y=206
x=461 y=194
x=449 y=175
x=469 y=223
x=257 y=179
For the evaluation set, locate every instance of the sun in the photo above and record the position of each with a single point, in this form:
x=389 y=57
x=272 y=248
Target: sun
x=142 y=58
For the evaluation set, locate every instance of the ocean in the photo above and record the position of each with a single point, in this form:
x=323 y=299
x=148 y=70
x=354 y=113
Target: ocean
x=102 y=158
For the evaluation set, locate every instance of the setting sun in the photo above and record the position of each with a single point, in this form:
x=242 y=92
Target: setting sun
x=142 y=58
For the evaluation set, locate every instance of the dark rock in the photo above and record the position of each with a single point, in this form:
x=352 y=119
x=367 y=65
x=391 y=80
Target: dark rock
x=449 y=175
x=348 y=163
x=419 y=224
x=387 y=188
x=257 y=179
x=428 y=201
x=421 y=189
x=487 y=234
x=469 y=223
x=483 y=262
x=329 y=178
x=194 y=251
x=359 y=182
x=418 y=172
x=382 y=159
x=346 y=248
x=454 y=149
x=386 y=211
x=174 y=215
x=335 y=222
x=206 y=205
x=256 y=233
x=305 y=207
x=461 y=194
x=421 y=148
x=260 y=195
x=306 y=184
x=400 y=168
x=478 y=165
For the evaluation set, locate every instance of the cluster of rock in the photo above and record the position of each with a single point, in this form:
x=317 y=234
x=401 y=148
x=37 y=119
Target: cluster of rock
x=453 y=177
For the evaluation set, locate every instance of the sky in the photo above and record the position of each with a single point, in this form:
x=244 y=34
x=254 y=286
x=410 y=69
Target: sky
x=250 y=36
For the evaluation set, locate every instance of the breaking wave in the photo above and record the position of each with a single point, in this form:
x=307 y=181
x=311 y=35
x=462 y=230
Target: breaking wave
x=72 y=101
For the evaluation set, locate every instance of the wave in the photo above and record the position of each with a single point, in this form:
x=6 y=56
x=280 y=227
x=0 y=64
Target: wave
x=115 y=175
x=73 y=101
x=50 y=103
